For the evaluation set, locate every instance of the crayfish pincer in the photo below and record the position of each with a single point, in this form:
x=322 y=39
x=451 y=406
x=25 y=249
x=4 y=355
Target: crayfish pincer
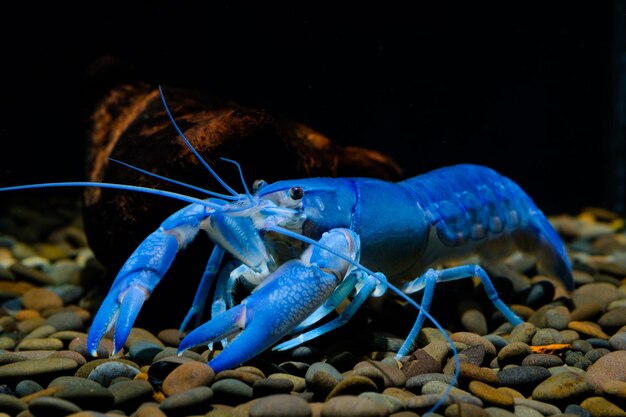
x=305 y=246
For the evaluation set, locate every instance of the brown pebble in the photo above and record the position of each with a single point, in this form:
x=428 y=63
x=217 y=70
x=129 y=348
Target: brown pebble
x=490 y=394
x=40 y=299
x=615 y=388
x=242 y=376
x=349 y=405
x=392 y=375
x=472 y=339
x=586 y=311
x=513 y=353
x=29 y=325
x=48 y=343
x=149 y=410
x=465 y=410
x=170 y=337
x=352 y=385
x=399 y=393
x=610 y=367
x=588 y=328
x=26 y=314
x=473 y=372
x=70 y=354
x=420 y=363
x=598 y=406
x=186 y=376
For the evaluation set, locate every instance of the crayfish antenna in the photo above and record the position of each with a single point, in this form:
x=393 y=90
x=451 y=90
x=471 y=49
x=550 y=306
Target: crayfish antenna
x=192 y=149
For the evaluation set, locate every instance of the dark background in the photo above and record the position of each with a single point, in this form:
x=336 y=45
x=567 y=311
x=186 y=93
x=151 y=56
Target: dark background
x=525 y=89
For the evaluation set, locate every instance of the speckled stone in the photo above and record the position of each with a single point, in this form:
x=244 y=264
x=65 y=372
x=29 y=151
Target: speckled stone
x=565 y=385
x=437 y=350
x=547 y=360
x=352 y=406
x=599 y=406
x=610 y=367
x=521 y=376
x=420 y=363
x=280 y=405
x=188 y=375
x=86 y=369
x=108 y=371
x=391 y=375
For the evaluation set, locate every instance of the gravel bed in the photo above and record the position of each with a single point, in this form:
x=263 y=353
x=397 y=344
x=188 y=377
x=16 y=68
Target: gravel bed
x=567 y=359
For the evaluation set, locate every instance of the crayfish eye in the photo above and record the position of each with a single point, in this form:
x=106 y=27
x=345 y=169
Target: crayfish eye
x=257 y=185
x=296 y=193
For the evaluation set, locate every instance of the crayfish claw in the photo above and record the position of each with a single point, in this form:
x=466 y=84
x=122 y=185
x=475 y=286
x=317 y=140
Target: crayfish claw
x=119 y=311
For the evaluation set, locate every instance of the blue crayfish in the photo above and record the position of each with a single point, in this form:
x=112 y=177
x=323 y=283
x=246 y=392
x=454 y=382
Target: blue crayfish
x=304 y=246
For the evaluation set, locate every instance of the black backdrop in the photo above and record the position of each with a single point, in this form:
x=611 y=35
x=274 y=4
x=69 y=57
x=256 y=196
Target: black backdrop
x=525 y=89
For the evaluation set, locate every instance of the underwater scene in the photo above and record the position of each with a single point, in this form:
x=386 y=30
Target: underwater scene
x=236 y=209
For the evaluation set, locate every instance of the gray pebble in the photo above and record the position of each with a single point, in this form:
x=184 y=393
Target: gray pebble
x=70 y=294
x=523 y=333
x=525 y=411
x=520 y=376
x=323 y=367
x=66 y=320
x=415 y=384
x=599 y=343
x=11 y=405
x=351 y=406
x=577 y=410
x=546 y=336
x=129 y=394
x=618 y=341
x=392 y=403
x=558 y=317
x=36 y=368
x=27 y=387
x=582 y=346
x=270 y=386
x=498 y=341
x=498 y=412
x=190 y=402
x=595 y=354
x=231 y=391
x=543 y=407
x=546 y=360
x=41 y=332
x=144 y=351
x=108 y=371
x=83 y=392
x=280 y=405
x=52 y=407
